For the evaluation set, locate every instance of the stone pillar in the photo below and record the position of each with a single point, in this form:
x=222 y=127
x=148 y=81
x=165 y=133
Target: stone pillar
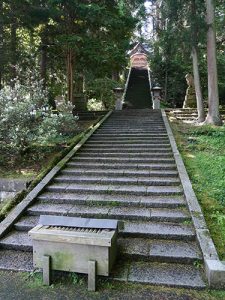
x=119 y=98
x=156 y=103
x=156 y=97
x=190 y=97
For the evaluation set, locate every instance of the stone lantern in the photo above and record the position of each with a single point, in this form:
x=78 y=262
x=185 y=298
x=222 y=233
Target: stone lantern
x=156 y=96
x=119 y=98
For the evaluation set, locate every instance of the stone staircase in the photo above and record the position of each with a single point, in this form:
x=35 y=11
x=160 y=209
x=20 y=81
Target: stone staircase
x=138 y=91
x=125 y=171
x=188 y=115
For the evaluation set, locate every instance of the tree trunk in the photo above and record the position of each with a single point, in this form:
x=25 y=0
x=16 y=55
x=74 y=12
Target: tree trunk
x=213 y=116
x=115 y=75
x=198 y=90
x=194 y=54
x=1 y=44
x=166 y=84
x=70 y=83
x=13 y=51
x=44 y=64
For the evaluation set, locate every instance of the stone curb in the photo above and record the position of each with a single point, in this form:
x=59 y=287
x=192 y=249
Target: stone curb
x=15 y=214
x=215 y=269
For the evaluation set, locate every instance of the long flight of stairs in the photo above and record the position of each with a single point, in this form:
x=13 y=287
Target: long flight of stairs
x=138 y=91
x=125 y=171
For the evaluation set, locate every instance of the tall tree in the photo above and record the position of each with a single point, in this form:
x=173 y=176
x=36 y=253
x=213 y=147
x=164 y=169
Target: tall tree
x=1 y=43
x=195 y=61
x=213 y=116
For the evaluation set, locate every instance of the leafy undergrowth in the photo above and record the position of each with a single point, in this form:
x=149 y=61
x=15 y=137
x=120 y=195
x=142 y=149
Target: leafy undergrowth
x=39 y=167
x=38 y=156
x=203 y=151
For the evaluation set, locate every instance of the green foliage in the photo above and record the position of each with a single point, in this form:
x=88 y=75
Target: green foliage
x=101 y=89
x=26 y=118
x=180 y=25
x=76 y=279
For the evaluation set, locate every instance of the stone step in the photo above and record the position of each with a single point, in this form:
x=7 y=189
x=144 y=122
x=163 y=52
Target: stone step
x=110 y=212
x=87 y=159
x=132 y=248
x=119 y=172
x=16 y=260
x=190 y=115
x=157 y=230
x=157 y=181
x=128 y=131
x=116 y=200
x=185 y=118
x=136 y=125
x=128 y=166
x=144 y=229
x=124 y=146
x=128 y=126
x=136 y=138
x=134 y=149
x=129 y=135
x=96 y=153
x=130 y=142
x=114 y=189
x=17 y=240
x=159 y=250
x=133 y=123
x=153 y=273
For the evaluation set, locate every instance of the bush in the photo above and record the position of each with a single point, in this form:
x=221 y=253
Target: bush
x=26 y=118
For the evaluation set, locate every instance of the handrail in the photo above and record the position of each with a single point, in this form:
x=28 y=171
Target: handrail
x=150 y=83
x=126 y=86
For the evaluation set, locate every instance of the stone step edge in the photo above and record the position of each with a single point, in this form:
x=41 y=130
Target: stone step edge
x=141 y=203
x=127 y=191
x=12 y=257
x=143 y=166
x=141 y=272
x=177 y=215
x=131 y=229
x=14 y=215
x=124 y=181
x=26 y=245
x=115 y=172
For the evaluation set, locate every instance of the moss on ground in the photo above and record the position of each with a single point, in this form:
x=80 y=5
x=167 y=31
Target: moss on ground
x=203 y=152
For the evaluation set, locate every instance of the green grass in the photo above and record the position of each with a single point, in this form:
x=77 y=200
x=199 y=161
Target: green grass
x=203 y=151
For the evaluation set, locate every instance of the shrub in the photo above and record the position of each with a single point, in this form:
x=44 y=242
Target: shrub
x=26 y=118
